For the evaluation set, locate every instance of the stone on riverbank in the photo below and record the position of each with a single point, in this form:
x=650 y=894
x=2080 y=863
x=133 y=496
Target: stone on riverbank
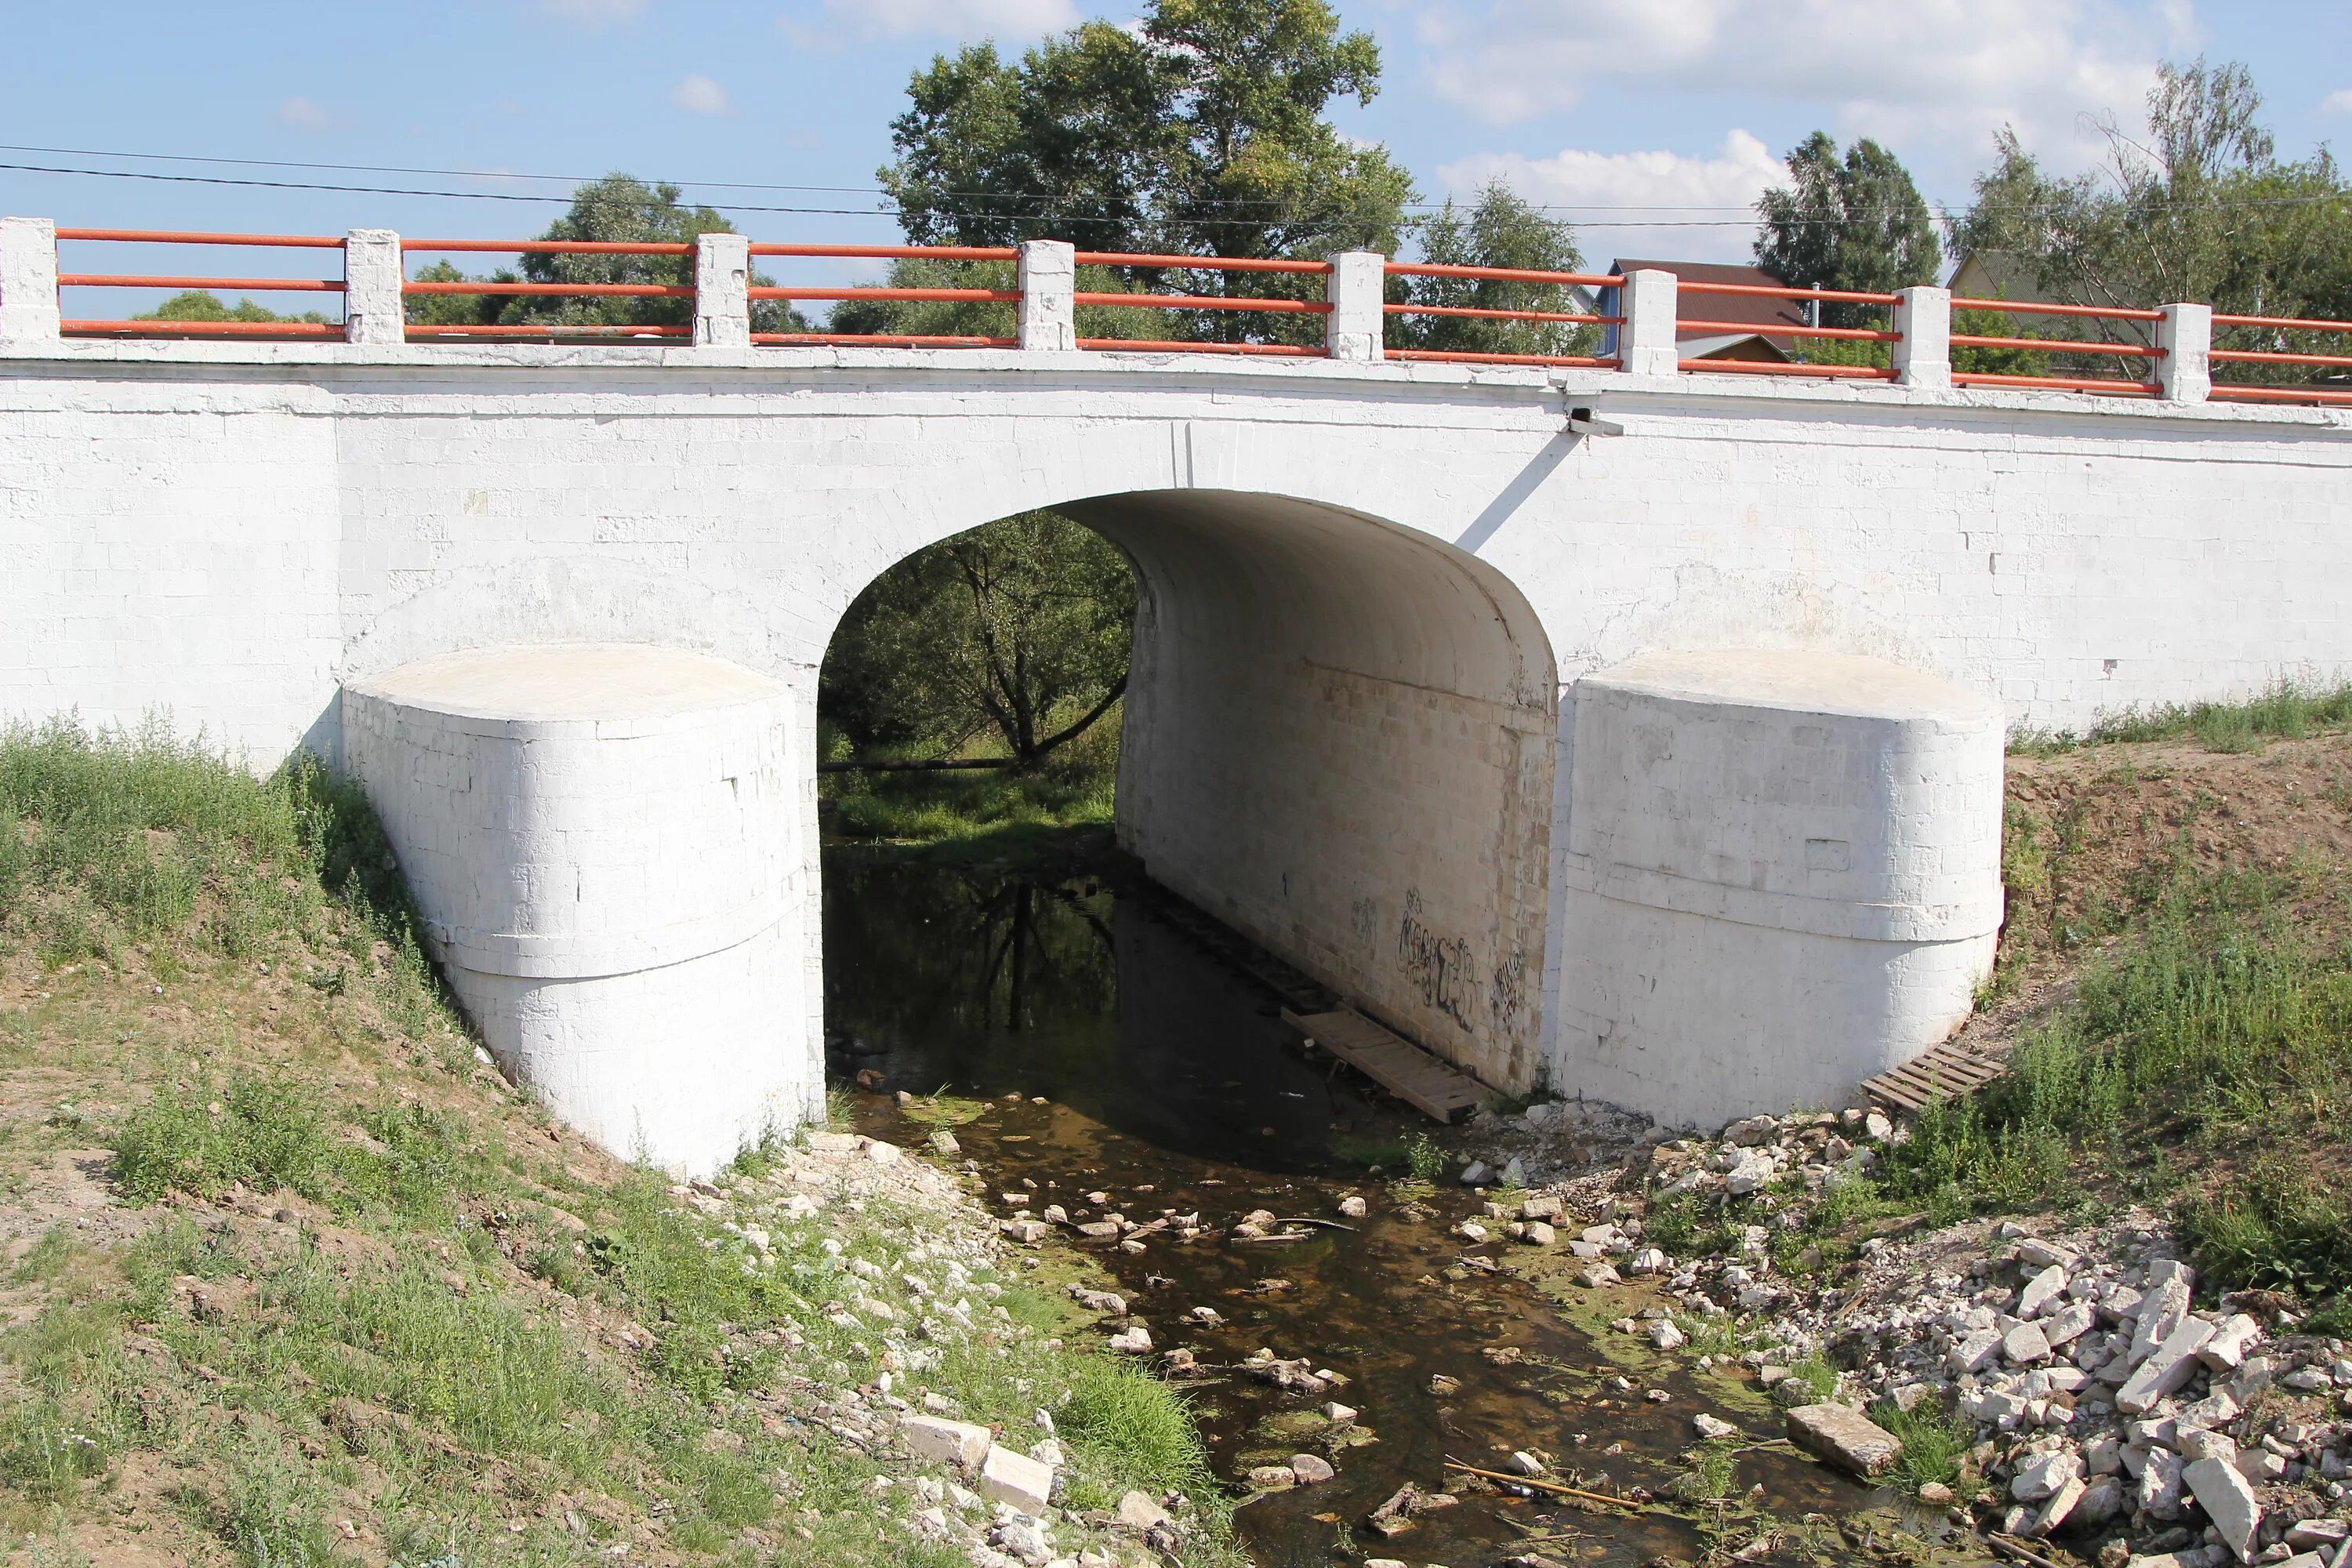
x=1842 y=1435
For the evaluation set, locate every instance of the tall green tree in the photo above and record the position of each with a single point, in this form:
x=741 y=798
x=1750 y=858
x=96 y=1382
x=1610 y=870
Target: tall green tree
x=1851 y=221
x=1202 y=131
x=1018 y=630
x=1499 y=228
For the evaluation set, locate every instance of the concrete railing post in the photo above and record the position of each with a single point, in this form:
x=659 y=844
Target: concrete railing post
x=1922 y=351
x=1356 y=287
x=2185 y=373
x=28 y=285
x=1645 y=343
x=372 y=271
x=722 y=278
x=1049 y=307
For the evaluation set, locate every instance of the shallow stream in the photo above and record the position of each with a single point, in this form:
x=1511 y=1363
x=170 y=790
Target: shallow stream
x=1150 y=1068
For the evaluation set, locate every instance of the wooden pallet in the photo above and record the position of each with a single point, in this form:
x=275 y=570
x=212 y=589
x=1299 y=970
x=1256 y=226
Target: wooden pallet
x=1390 y=1061
x=1945 y=1072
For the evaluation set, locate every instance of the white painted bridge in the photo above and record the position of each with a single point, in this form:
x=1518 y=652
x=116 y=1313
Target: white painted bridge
x=1653 y=756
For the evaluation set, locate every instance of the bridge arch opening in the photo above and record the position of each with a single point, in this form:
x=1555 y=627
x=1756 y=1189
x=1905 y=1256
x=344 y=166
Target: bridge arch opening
x=1337 y=738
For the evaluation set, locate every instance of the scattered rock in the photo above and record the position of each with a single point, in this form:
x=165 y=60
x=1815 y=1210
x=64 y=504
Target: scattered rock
x=1311 y=1469
x=961 y=1442
x=1843 y=1436
x=2228 y=1500
x=1017 y=1479
x=1713 y=1426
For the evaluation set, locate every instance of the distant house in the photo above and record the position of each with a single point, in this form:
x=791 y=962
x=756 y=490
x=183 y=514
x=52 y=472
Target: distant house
x=1742 y=309
x=1998 y=275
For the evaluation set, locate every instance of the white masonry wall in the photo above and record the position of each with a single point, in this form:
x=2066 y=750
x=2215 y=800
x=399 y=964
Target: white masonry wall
x=604 y=842
x=1781 y=876
x=226 y=532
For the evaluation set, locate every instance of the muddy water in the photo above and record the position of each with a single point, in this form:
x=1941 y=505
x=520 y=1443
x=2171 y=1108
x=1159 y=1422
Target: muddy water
x=1169 y=1082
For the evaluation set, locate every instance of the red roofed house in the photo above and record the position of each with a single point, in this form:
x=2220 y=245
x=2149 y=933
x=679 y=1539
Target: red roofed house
x=1745 y=311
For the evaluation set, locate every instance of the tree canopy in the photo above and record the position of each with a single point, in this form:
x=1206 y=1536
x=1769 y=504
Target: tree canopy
x=1851 y=222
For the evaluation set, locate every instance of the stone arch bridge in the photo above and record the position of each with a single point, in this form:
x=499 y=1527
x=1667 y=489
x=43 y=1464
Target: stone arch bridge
x=1652 y=753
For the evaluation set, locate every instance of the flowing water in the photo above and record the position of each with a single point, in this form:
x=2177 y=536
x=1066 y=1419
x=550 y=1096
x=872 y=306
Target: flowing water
x=1169 y=1082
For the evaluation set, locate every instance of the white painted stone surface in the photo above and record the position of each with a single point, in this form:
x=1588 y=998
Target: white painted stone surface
x=1781 y=876
x=226 y=532
x=603 y=840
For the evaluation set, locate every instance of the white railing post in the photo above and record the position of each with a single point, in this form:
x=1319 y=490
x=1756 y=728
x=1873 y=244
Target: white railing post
x=28 y=285
x=2185 y=373
x=1922 y=350
x=372 y=273
x=1356 y=287
x=1049 y=307
x=1645 y=343
x=722 y=281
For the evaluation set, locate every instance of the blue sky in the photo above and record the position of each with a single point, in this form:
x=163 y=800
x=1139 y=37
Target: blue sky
x=1626 y=114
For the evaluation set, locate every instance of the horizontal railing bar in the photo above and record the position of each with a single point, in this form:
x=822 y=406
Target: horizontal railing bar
x=1848 y=334
x=181 y=236
x=199 y=329
x=1204 y=302
x=2055 y=346
x=530 y=329
x=2288 y=323
x=2267 y=357
x=565 y=291
x=256 y=285
x=1593 y=362
x=1501 y=274
x=893 y=252
x=1199 y=263
x=1153 y=345
x=2061 y=383
x=2036 y=308
x=1766 y=367
x=2282 y=395
x=1774 y=291
x=1480 y=312
x=887 y=339
x=552 y=247
x=877 y=293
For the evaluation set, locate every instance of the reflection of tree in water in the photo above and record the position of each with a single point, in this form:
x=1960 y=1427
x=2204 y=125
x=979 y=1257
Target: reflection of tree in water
x=913 y=951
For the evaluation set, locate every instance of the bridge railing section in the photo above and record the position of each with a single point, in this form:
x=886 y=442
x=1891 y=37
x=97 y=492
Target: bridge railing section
x=1533 y=294
x=205 y=315
x=2289 y=355
x=1039 y=295
x=1864 y=366
x=2074 y=354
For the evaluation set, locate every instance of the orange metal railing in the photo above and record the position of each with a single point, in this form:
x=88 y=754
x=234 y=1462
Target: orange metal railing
x=89 y=327
x=1144 y=261
x=1501 y=313
x=2277 y=327
x=2112 y=387
x=549 y=331
x=867 y=291
x=1794 y=330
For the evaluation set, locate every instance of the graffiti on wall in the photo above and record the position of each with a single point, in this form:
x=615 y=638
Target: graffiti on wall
x=1438 y=967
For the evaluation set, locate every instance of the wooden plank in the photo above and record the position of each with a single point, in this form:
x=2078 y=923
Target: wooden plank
x=1434 y=1087
x=1947 y=1071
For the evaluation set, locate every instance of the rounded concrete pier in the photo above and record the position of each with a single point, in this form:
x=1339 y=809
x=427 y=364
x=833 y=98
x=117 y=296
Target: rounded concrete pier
x=1781 y=876
x=603 y=841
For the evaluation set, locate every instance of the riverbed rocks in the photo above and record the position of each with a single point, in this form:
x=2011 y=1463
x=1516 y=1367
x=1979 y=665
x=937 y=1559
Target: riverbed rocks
x=1843 y=1436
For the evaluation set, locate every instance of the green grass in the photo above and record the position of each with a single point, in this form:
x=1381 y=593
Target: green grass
x=1935 y=1446
x=2223 y=1027
x=1073 y=787
x=2286 y=709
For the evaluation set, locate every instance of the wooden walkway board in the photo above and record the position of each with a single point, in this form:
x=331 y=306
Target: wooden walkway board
x=1947 y=1071
x=1393 y=1062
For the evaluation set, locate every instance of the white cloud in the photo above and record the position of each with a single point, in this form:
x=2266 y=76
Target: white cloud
x=302 y=113
x=1946 y=69
x=1014 y=21
x=593 y=13
x=2336 y=102
x=698 y=95
x=1667 y=203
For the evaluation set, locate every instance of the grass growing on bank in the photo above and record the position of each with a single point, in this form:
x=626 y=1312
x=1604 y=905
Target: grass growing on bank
x=337 y=1295
x=1072 y=787
x=2287 y=710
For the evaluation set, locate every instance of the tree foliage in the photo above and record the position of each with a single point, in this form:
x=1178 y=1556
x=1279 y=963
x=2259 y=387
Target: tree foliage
x=1018 y=630
x=202 y=305
x=614 y=209
x=1499 y=228
x=1851 y=222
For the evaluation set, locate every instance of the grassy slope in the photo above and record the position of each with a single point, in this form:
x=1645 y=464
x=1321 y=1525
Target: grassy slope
x=289 y=1276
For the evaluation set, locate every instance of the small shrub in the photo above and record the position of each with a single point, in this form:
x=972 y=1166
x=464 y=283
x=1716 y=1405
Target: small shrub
x=1424 y=1157
x=265 y=1133
x=1933 y=1445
